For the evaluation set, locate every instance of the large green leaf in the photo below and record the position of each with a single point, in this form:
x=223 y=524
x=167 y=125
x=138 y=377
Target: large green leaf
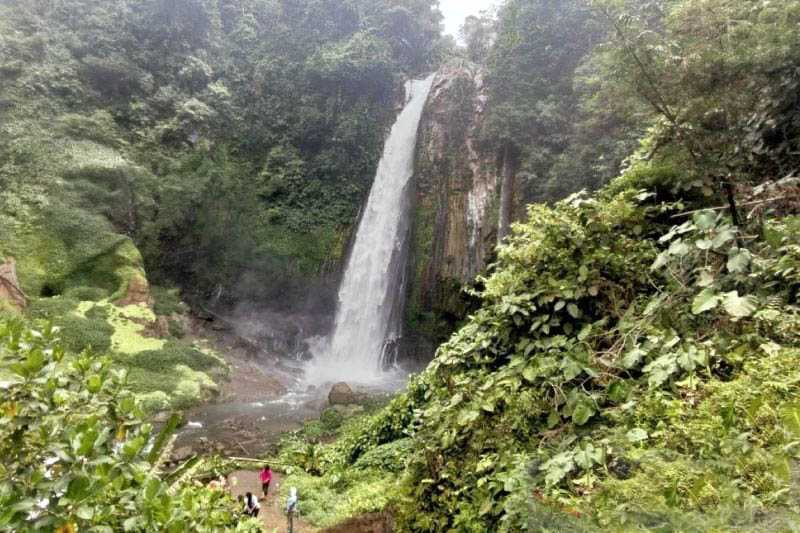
x=738 y=260
x=583 y=412
x=166 y=432
x=707 y=300
x=705 y=220
x=636 y=435
x=739 y=306
x=633 y=357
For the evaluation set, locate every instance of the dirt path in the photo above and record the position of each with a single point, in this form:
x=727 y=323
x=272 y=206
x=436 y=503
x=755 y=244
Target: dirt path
x=271 y=514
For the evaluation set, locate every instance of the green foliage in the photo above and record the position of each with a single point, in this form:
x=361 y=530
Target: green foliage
x=166 y=302
x=86 y=294
x=78 y=333
x=544 y=115
x=702 y=67
x=586 y=380
x=331 y=419
x=176 y=329
x=51 y=308
x=154 y=119
x=327 y=501
x=389 y=457
x=171 y=355
x=69 y=427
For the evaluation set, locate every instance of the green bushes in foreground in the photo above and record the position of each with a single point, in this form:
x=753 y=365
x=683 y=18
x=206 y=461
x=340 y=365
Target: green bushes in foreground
x=76 y=455
x=630 y=368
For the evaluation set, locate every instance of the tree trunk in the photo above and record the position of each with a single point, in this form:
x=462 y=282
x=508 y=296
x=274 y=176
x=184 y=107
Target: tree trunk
x=506 y=194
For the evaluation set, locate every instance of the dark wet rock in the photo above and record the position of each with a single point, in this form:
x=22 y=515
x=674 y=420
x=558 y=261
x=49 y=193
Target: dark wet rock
x=342 y=394
x=181 y=454
x=621 y=468
x=455 y=214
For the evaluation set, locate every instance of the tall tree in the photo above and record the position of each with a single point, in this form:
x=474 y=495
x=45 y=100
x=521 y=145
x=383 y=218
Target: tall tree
x=532 y=101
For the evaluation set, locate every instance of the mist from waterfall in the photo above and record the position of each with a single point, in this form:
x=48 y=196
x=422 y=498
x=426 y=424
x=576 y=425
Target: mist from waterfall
x=369 y=315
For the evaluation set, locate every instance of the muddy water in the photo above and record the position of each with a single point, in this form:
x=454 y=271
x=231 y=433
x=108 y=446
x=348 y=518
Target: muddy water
x=247 y=428
x=258 y=404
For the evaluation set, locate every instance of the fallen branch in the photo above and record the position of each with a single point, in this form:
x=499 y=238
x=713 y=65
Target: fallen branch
x=262 y=461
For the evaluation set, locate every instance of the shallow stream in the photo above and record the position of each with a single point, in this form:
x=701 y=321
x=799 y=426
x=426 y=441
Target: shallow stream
x=247 y=422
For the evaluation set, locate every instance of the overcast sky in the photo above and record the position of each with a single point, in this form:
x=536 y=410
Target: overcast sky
x=455 y=11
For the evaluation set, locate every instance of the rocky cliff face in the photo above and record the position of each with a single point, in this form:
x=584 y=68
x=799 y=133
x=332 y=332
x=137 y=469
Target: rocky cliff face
x=455 y=217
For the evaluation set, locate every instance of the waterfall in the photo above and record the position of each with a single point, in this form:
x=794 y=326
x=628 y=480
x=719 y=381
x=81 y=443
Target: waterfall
x=371 y=297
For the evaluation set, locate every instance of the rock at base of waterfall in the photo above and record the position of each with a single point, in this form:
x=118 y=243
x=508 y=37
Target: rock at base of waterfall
x=181 y=454
x=342 y=394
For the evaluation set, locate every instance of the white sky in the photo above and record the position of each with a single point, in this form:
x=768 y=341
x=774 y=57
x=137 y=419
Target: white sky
x=455 y=11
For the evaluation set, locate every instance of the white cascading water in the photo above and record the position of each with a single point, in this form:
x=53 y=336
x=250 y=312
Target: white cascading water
x=369 y=316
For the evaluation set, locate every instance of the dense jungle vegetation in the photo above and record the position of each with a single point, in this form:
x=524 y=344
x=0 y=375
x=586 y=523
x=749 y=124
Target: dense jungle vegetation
x=153 y=120
x=632 y=360
x=632 y=365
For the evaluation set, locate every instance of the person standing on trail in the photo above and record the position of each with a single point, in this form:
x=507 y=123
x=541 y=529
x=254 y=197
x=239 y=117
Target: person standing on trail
x=266 y=479
x=291 y=507
x=251 y=505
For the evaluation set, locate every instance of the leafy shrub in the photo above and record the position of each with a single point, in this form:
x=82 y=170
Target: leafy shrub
x=171 y=355
x=334 y=498
x=389 y=457
x=52 y=308
x=176 y=329
x=86 y=294
x=69 y=426
x=166 y=301
x=182 y=386
x=331 y=419
x=154 y=402
x=615 y=363
x=313 y=431
x=98 y=312
x=78 y=333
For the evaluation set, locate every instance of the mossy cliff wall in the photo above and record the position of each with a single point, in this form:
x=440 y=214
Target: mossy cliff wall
x=454 y=218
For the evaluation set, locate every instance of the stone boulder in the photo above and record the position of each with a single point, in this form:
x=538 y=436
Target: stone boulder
x=10 y=289
x=342 y=394
x=181 y=454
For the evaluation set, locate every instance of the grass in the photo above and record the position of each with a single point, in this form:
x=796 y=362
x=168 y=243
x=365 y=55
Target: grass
x=164 y=374
x=330 y=500
x=166 y=302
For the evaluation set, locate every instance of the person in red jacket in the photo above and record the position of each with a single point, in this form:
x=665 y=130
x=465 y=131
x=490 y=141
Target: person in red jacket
x=266 y=478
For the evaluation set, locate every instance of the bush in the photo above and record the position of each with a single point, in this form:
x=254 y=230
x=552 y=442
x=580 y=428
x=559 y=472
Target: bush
x=78 y=333
x=331 y=420
x=387 y=457
x=173 y=354
x=52 y=308
x=98 y=312
x=166 y=301
x=86 y=294
x=176 y=329
x=105 y=472
x=154 y=402
x=181 y=386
